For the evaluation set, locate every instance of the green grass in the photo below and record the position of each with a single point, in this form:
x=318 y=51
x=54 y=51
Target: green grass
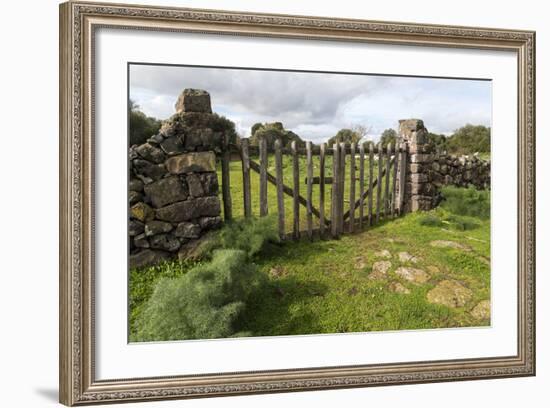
x=321 y=286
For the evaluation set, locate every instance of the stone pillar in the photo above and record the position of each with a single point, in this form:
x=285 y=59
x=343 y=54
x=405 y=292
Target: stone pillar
x=419 y=190
x=173 y=187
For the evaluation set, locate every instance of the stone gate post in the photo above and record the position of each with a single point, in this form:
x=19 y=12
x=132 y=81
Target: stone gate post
x=420 y=193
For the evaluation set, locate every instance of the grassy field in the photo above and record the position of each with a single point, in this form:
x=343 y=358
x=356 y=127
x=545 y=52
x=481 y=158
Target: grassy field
x=327 y=286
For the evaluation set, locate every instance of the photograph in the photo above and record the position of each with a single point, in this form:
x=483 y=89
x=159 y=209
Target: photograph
x=269 y=202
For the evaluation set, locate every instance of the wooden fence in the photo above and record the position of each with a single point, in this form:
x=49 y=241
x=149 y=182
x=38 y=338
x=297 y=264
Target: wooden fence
x=366 y=183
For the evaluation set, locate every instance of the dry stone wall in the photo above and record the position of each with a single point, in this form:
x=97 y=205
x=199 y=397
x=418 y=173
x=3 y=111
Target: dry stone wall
x=427 y=170
x=173 y=186
x=461 y=171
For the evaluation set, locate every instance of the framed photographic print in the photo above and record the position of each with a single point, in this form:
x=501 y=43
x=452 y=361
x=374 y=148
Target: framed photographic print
x=256 y=203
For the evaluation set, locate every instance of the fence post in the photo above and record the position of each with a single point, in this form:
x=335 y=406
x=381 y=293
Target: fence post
x=352 y=187
x=322 y=190
x=335 y=188
x=309 y=190
x=342 y=188
x=263 y=176
x=246 y=178
x=379 y=181
x=296 y=191
x=371 y=176
x=280 y=197
x=361 y=183
x=226 y=189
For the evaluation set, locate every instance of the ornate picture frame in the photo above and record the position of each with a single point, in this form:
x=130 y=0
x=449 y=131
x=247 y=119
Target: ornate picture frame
x=78 y=24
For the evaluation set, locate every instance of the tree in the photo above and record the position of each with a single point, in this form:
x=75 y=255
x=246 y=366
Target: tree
x=142 y=126
x=438 y=140
x=388 y=136
x=470 y=139
x=345 y=136
x=272 y=132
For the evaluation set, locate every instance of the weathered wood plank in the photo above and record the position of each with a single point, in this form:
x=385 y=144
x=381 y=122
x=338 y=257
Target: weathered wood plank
x=296 y=191
x=379 y=185
x=352 y=187
x=245 y=158
x=394 y=181
x=387 y=182
x=342 y=189
x=335 y=187
x=402 y=176
x=361 y=184
x=322 y=181
x=226 y=183
x=309 y=190
x=263 y=177
x=317 y=180
x=371 y=176
x=280 y=191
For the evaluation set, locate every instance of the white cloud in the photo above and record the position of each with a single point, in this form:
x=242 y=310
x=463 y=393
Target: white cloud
x=316 y=105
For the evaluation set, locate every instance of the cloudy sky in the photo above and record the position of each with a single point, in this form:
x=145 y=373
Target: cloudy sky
x=316 y=105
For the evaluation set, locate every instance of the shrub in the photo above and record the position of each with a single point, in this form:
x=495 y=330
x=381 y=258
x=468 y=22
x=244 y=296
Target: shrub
x=462 y=223
x=430 y=220
x=143 y=281
x=467 y=201
x=201 y=304
x=250 y=235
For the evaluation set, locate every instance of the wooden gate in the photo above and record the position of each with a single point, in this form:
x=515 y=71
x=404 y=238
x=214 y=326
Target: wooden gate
x=364 y=183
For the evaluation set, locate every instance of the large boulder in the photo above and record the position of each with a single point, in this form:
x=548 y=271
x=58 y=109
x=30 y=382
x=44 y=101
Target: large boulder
x=192 y=162
x=190 y=209
x=187 y=230
x=194 y=100
x=166 y=191
x=450 y=293
x=148 y=169
x=156 y=227
x=165 y=242
x=151 y=153
x=142 y=212
x=147 y=257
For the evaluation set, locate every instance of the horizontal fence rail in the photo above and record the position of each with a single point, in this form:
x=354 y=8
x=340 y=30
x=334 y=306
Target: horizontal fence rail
x=347 y=187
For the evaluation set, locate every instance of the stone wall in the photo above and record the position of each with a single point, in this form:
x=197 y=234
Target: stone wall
x=420 y=194
x=461 y=171
x=173 y=186
x=428 y=170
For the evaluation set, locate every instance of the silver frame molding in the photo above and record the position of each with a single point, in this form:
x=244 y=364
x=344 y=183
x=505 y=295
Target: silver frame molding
x=78 y=22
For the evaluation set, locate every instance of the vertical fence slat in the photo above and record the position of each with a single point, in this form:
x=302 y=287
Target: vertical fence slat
x=263 y=176
x=361 y=184
x=342 y=187
x=352 y=187
x=387 y=182
x=309 y=191
x=335 y=187
x=402 y=174
x=280 y=196
x=296 y=191
x=371 y=176
x=246 y=178
x=226 y=183
x=379 y=182
x=322 y=190
x=394 y=181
